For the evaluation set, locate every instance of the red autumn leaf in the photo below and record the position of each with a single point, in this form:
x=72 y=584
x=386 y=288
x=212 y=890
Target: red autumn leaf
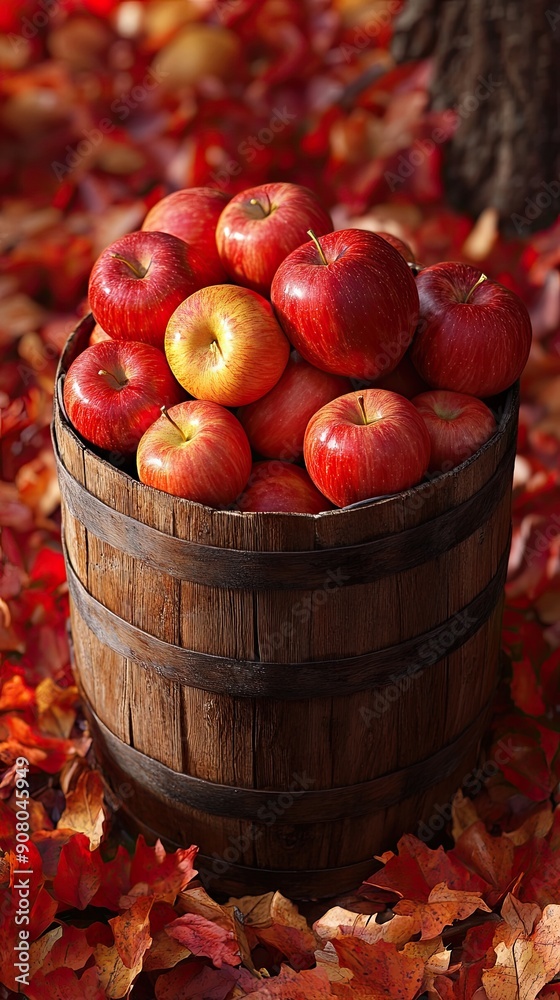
x=72 y=950
x=115 y=881
x=417 y=869
x=22 y=740
x=381 y=968
x=306 y=985
x=194 y=981
x=492 y=858
x=203 y=937
x=49 y=843
x=79 y=873
x=64 y=984
x=154 y=871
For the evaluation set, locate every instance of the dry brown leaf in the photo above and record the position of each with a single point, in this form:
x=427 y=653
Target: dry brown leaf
x=164 y=952
x=131 y=930
x=114 y=976
x=525 y=966
x=520 y=917
x=85 y=811
x=56 y=707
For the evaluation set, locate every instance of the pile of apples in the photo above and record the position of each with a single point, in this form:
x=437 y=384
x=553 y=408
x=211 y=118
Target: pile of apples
x=254 y=359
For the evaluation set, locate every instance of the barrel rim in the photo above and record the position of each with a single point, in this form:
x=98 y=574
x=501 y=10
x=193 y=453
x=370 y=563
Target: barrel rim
x=506 y=409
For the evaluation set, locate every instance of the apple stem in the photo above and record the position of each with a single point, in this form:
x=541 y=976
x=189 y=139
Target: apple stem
x=164 y=412
x=139 y=273
x=120 y=384
x=363 y=409
x=265 y=211
x=483 y=277
x=319 y=247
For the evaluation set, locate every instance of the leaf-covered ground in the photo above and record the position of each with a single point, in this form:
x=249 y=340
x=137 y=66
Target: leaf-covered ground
x=105 y=106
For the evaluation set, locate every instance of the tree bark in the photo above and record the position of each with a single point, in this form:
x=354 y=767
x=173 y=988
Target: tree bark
x=497 y=63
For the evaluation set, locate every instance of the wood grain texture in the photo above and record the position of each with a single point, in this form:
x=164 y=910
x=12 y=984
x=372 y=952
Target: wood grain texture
x=360 y=674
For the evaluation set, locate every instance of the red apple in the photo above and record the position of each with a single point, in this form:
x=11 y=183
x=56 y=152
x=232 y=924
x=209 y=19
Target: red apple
x=366 y=444
x=138 y=281
x=400 y=245
x=192 y=215
x=114 y=390
x=474 y=335
x=404 y=379
x=457 y=424
x=262 y=225
x=224 y=344
x=98 y=335
x=276 y=423
x=348 y=303
x=281 y=486
x=196 y=450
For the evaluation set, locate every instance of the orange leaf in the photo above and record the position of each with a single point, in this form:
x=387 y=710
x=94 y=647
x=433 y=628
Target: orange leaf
x=164 y=953
x=84 y=810
x=443 y=907
x=380 y=967
x=56 y=707
x=519 y=916
x=289 y=985
x=131 y=930
x=15 y=694
x=114 y=976
x=528 y=963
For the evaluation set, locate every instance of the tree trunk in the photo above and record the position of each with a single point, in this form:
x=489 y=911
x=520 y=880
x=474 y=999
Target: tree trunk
x=497 y=63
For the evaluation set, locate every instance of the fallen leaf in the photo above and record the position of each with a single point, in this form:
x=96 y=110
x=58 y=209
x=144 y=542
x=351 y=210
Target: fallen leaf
x=155 y=872
x=443 y=907
x=115 y=977
x=381 y=968
x=131 y=931
x=277 y=923
x=202 y=937
x=79 y=872
x=85 y=812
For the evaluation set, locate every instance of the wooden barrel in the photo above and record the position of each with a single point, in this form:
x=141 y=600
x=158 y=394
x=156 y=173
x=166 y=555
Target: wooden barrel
x=290 y=692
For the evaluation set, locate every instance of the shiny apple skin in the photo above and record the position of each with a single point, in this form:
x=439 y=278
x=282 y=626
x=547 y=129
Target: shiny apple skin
x=275 y=424
x=404 y=379
x=192 y=215
x=212 y=466
x=479 y=346
x=224 y=344
x=98 y=335
x=350 y=460
x=403 y=248
x=458 y=426
x=281 y=487
x=353 y=316
x=111 y=417
x=253 y=240
x=131 y=306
